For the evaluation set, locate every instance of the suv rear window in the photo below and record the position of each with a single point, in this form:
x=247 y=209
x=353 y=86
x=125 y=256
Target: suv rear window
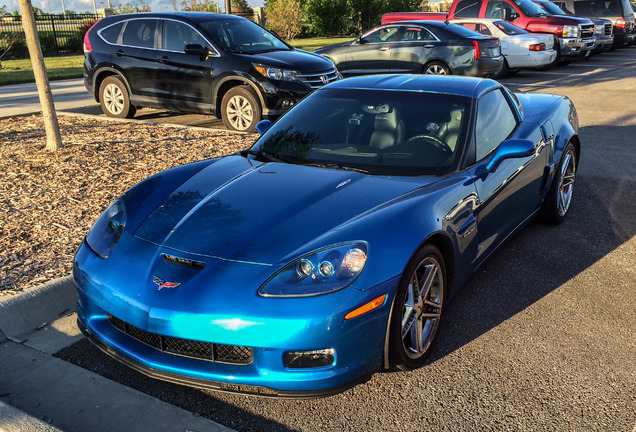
x=111 y=34
x=468 y=9
x=140 y=33
x=608 y=8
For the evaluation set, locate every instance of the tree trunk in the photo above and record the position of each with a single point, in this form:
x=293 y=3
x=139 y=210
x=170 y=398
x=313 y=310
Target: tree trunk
x=53 y=137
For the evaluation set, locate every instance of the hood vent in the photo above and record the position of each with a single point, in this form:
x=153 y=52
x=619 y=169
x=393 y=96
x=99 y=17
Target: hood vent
x=183 y=261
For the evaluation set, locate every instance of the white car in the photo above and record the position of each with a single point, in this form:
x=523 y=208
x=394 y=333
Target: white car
x=521 y=50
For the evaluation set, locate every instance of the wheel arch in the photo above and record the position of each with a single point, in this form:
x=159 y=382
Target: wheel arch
x=230 y=82
x=436 y=60
x=443 y=242
x=104 y=73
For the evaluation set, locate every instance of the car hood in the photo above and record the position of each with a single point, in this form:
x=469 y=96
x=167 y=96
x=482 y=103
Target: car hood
x=235 y=210
x=331 y=47
x=298 y=60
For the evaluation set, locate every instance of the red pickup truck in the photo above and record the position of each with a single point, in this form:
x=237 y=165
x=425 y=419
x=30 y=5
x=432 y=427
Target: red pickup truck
x=573 y=36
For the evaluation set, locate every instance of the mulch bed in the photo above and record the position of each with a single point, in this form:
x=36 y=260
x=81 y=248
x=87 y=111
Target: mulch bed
x=49 y=200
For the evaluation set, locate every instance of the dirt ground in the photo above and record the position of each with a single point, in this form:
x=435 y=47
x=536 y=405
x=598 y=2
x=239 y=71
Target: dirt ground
x=49 y=200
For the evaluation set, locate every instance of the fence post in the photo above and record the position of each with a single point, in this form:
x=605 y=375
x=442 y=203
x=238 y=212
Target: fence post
x=57 y=49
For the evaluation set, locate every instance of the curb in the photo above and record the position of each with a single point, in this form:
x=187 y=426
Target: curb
x=25 y=312
x=14 y=420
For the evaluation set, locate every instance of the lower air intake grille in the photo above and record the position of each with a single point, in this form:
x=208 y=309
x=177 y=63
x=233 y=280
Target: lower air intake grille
x=186 y=347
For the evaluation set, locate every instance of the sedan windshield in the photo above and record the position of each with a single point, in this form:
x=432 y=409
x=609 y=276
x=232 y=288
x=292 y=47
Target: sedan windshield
x=377 y=132
x=509 y=29
x=242 y=36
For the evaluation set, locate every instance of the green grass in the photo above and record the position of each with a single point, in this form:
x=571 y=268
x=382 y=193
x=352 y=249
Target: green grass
x=310 y=44
x=58 y=68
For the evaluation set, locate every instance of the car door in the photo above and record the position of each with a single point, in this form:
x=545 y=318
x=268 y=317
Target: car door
x=136 y=58
x=371 y=54
x=414 y=45
x=183 y=79
x=511 y=194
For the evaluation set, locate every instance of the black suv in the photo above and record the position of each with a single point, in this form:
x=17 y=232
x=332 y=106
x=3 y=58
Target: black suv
x=198 y=62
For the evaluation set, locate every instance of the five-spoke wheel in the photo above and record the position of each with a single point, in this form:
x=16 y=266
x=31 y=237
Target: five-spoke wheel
x=557 y=204
x=418 y=308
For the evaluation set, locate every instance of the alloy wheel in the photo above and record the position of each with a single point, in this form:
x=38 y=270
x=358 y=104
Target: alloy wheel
x=240 y=112
x=423 y=307
x=114 y=99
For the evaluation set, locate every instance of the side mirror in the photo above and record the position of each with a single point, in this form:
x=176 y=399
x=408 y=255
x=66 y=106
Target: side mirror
x=196 y=49
x=359 y=41
x=509 y=149
x=262 y=126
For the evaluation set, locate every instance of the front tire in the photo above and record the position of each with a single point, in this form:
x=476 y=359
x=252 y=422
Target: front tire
x=240 y=109
x=114 y=98
x=557 y=204
x=417 y=309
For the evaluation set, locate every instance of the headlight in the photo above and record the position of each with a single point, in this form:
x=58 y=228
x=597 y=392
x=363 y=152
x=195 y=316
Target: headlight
x=571 y=31
x=319 y=272
x=276 y=73
x=106 y=232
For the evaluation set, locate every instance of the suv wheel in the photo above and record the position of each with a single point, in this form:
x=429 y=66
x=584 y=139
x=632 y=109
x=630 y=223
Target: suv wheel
x=114 y=99
x=240 y=109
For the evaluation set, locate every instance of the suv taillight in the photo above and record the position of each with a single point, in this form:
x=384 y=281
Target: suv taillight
x=476 y=49
x=620 y=23
x=87 y=43
x=537 y=47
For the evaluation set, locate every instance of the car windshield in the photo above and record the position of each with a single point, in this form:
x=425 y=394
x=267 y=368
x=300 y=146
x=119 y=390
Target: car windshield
x=552 y=8
x=509 y=29
x=599 y=9
x=530 y=8
x=242 y=36
x=377 y=132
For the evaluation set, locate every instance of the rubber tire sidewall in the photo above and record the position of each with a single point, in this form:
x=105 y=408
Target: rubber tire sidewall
x=397 y=356
x=549 y=210
x=129 y=110
x=251 y=97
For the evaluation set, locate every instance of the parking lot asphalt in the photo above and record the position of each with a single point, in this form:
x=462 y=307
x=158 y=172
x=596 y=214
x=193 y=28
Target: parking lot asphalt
x=542 y=337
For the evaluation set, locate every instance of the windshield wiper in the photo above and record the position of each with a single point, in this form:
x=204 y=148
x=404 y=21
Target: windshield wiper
x=338 y=166
x=270 y=157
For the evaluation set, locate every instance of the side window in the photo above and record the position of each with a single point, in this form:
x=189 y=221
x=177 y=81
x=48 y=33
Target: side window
x=495 y=9
x=468 y=9
x=176 y=36
x=482 y=29
x=495 y=123
x=416 y=34
x=111 y=34
x=140 y=33
x=385 y=34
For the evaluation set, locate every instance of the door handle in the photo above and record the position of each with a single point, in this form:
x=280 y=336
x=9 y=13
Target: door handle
x=429 y=46
x=384 y=48
x=119 y=53
x=163 y=59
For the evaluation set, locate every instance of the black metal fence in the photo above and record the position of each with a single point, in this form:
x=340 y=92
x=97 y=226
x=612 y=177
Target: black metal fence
x=59 y=34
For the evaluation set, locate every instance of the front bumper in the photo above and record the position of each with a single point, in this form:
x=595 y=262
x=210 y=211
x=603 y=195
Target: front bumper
x=603 y=43
x=270 y=327
x=576 y=47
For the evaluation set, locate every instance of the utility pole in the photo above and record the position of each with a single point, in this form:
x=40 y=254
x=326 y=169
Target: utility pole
x=228 y=6
x=53 y=137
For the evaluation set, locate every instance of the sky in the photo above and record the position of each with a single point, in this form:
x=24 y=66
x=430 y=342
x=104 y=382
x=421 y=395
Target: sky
x=55 y=6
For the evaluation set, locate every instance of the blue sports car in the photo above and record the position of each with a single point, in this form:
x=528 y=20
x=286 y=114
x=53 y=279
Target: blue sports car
x=330 y=249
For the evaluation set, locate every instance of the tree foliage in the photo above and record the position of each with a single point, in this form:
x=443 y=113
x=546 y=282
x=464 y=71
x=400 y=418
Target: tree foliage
x=241 y=7
x=285 y=17
x=196 y=5
x=330 y=17
x=134 y=6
